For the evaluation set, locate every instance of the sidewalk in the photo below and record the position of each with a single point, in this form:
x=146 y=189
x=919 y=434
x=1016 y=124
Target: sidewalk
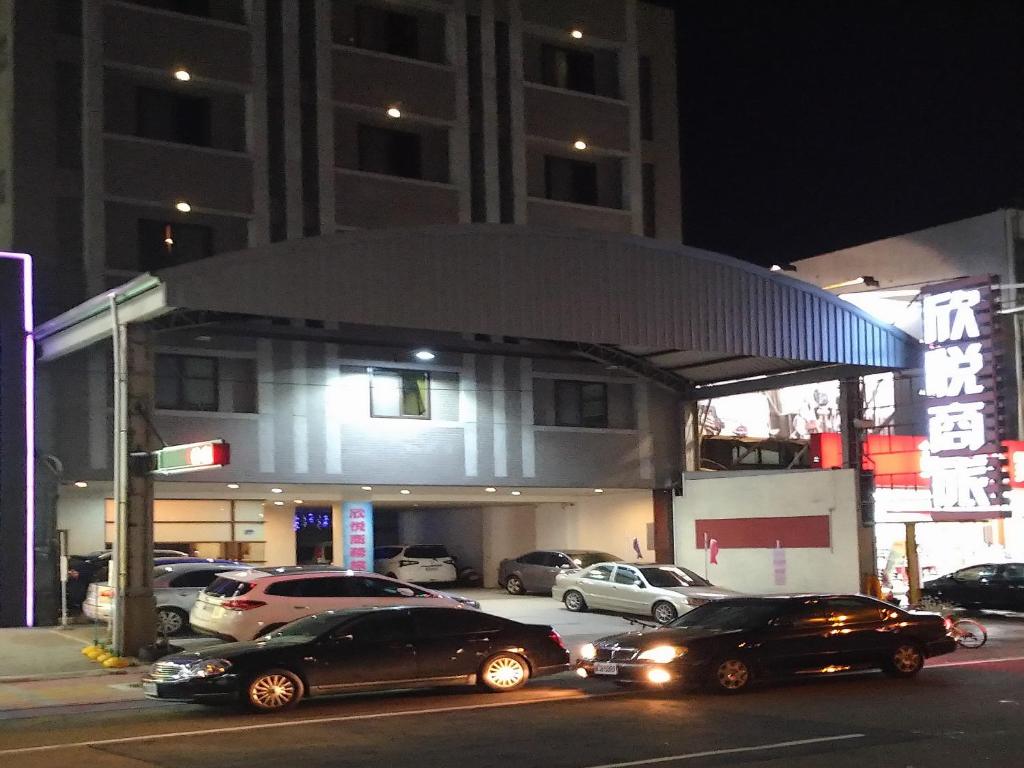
x=46 y=651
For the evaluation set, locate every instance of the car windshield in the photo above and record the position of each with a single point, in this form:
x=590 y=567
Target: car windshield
x=728 y=615
x=670 y=576
x=426 y=551
x=308 y=628
x=587 y=559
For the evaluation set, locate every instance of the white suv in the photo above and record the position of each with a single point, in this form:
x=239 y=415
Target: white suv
x=242 y=605
x=418 y=563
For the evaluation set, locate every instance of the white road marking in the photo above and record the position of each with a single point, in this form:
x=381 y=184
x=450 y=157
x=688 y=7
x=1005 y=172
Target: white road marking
x=731 y=751
x=66 y=636
x=300 y=723
x=975 y=661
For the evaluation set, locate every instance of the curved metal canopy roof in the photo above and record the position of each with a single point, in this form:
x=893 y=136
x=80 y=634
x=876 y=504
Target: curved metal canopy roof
x=680 y=312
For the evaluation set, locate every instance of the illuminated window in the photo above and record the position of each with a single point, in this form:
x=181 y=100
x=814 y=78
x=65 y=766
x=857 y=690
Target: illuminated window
x=399 y=394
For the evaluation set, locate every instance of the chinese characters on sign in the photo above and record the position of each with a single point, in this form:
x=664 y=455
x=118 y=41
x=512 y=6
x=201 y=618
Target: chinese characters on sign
x=357 y=531
x=962 y=456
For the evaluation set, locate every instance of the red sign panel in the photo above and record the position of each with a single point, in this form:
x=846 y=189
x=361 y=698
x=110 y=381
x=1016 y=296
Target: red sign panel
x=895 y=460
x=766 y=532
x=826 y=449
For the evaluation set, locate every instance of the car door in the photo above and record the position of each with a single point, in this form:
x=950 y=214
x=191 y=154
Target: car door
x=296 y=598
x=797 y=640
x=374 y=649
x=595 y=584
x=531 y=570
x=972 y=586
x=1013 y=577
x=627 y=592
x=453 y=643
x=856 y=631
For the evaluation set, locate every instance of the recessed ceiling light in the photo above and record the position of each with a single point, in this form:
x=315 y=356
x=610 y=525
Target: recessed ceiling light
x=277 y=490
x=394 y=112
x=424 y=355
x=182 y=74
x=182 y=207
x=517 y=493
x=579 y=144
x=489 y=489
x=168 y=240
x=405 y=491
x=576 y=34
x=299 y=501
x=599 y=490
x=81 y=484
x=278 y=503
x=366 y=487
x=233 y=486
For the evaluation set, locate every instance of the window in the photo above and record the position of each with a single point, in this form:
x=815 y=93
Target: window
x=427 y=552
x=599 y=573
x=228 y=588
x=566 y=68
x=649 y=201
x=669 y=577
x=573 y=181
x=391 y=152
x=811 y=614
x=384 y=627
x=557 y=560
x=170 y=116
x=646 y=99
x=976 y=573
x=367 y=586
x=441 y=622
x=303 y=588
x=581 y=404
x=186 y=383
x=626 y=576
x=196 y=578
x=534 y=558
x=399 y=394
x=386 y=553
x=68 y=113
x=387 y=31
x=165 y=244
x=850 y=611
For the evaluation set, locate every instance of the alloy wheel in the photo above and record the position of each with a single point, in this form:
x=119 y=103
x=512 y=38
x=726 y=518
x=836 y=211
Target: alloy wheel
x=505 y=673
x=273 y=691
x=168 y=621
x=907 y=659
x=665 y=613
x=574 y=601
x=732 y=675
x=514 y=585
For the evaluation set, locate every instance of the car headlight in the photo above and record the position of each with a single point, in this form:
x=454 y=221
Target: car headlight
x=588 y=652
x=662 y=654
x=209 y=668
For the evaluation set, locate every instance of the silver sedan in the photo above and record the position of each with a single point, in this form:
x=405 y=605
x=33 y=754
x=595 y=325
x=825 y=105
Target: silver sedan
x=642 y=589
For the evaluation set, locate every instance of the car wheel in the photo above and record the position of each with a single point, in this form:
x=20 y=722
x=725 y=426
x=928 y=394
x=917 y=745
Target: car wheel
x=730 y=675
x=170 y=621
x=274 y=690
x=574 y=601
x=514 y=585
x=664 y=612
x=906 y=660
x=504 y=672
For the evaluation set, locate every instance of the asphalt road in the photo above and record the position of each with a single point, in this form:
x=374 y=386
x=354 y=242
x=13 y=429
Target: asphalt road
x=964 y=709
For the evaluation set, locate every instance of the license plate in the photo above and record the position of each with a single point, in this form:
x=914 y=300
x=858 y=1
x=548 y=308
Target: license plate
x=604 y=668
x=149 y=689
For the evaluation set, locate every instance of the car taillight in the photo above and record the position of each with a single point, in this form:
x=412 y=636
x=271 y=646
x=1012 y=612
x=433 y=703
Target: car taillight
x=557 y=639
x=242 y=605
x=106 y=593
x=403 y=563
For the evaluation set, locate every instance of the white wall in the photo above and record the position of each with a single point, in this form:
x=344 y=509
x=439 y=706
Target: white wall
x=608 y=522
x=507 y=532
x=724 y=495
x=279 y=528
x=459 y=529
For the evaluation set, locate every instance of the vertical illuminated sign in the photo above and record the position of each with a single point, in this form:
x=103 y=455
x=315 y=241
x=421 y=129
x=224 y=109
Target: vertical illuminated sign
x=963 y=453
x=357 y=533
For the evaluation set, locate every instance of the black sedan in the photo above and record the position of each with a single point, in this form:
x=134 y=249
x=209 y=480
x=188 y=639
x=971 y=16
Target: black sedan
x=729 y=643
x=362 y=649
x=993 y=585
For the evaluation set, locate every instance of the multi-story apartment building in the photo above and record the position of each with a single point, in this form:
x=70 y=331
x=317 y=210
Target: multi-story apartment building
x=147 y=133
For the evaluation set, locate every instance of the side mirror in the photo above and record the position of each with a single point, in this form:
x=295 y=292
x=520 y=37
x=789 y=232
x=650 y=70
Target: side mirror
x=639 y=584
x=405 y=592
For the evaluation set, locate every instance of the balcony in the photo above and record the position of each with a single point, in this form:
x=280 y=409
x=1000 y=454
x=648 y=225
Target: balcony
x=146 y=170
x=208 y=49
x=556 y=213
x=370 y=200
x=378 y=81
x=564 y=116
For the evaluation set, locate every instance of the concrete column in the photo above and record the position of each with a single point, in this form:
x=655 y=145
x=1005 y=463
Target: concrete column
x=691 y=437
x=629 y=74
x=256 y=125
x=458 y=134
x=664 y=543
x=851 y=406
x=913 y=567
x=94 y=256
x=279 y=530
x=517 y=112
x=137 y=576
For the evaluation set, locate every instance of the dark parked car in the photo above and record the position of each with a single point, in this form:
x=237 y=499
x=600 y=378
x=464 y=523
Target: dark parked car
x=536 y=571
x=85 y=569
x=992 y=585
x=729 y=643
x=362 y=649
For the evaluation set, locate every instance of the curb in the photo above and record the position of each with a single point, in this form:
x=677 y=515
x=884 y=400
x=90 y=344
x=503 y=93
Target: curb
x=31 y=678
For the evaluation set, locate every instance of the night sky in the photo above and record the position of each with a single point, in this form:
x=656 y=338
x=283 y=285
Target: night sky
x=810 y=126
